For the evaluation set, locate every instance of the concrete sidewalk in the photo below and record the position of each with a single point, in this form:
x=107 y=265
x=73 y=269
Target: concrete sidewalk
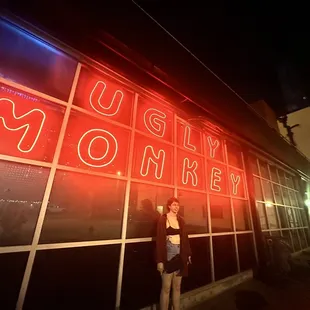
x=290 y=293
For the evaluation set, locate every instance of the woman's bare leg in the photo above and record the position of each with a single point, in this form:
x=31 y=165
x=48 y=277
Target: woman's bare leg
x=165 y=290
x=176 y=291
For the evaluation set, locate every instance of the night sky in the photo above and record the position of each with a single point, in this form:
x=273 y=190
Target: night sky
x=261 y=51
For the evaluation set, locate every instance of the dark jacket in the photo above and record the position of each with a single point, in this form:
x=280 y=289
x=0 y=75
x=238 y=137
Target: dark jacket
x=161 y=243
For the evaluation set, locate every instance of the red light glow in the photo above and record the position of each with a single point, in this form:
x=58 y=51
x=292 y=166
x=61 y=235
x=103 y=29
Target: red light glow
x=154 y=122
x=86 y=142
x=213 y=146
x=32 y=129
x=235 y=182
x=97 y=102
x=215 y=179
x=149 y=156
x=189 y=170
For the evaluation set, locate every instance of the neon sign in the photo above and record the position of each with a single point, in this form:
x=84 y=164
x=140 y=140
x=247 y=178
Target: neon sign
x=114 y=105
x=11 y=122
x=216 y=178
x=187 y=137
x=189 y=170
x=158 y=160
x=213 y=146
x=86 y=142
x=235 y=182
x=154 y=122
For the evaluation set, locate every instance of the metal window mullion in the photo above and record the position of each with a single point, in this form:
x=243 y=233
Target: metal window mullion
x=46 y=196
x=263 y=192
x=232 y=209
x=249 y=207
x=274 y=199
x=209 y=213
x=126 y=206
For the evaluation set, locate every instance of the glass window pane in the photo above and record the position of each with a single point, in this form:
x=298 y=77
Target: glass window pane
x=22 y=188
x=262 y=215
x=33 y=134
x=234 y=155
x=146 y=204
x=267 y=191
x=103 y=96
x=289 y=180
x=303 y=214
x=258 y=189
x=264 y=170
x=141 y=280
x=292 y=196
x=287 y=238
x=295 y=238
x=200 y=269
x=221 y=218
x=282 y=177
x=286 y=198
x=307 y=236
x=29 y=61
x=242 y=216
x=246 y=251
x=272 y=216
x=277 y=194
x=193 y=209
x=12 y=267
x=224 y=252
x=253 y=163
x=83 y=207
x=302 y=237
x=76 y=278
x=283 y=218
x=95 y=145
x=291 y=217
x=273 y=173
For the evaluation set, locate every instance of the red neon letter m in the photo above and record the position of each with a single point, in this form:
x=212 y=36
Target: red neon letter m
x=30 y=123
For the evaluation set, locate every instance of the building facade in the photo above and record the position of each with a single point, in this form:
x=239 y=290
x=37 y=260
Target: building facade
x=88 y=160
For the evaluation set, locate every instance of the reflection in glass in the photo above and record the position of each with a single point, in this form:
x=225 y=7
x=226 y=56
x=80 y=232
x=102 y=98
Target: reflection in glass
x=282 y=177
x=283 y=218
x=258 y=189
x=285 y=196
x=200 y=269
x=141 y=280
x=291 y=217
x=12 y=268
x=21 y=193
x=287 y=236
x=264 y=170
x=224 y=252
x=234 y=155
x=146 y=204
x=273 y=174
x=246 y=251
x=262 y=215
x=267 y=191
x=74 y=278
x=193 y=209
x=83 y=207
x=35 y=64
x=272 y=216
x=221 y=217
x=242 y=216
x=302 y=237
x=295 y=238
x=292 y=197
x=277 y=194
x=253 y=163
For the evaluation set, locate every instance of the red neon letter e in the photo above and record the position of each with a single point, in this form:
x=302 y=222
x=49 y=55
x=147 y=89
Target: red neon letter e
x=158 y=160
x=85 y=146
x=189 y=170
x=31 y=123
x=215 y=178
x=235 y=182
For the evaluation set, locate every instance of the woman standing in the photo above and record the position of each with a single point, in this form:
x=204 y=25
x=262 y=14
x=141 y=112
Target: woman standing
x=173 y=253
